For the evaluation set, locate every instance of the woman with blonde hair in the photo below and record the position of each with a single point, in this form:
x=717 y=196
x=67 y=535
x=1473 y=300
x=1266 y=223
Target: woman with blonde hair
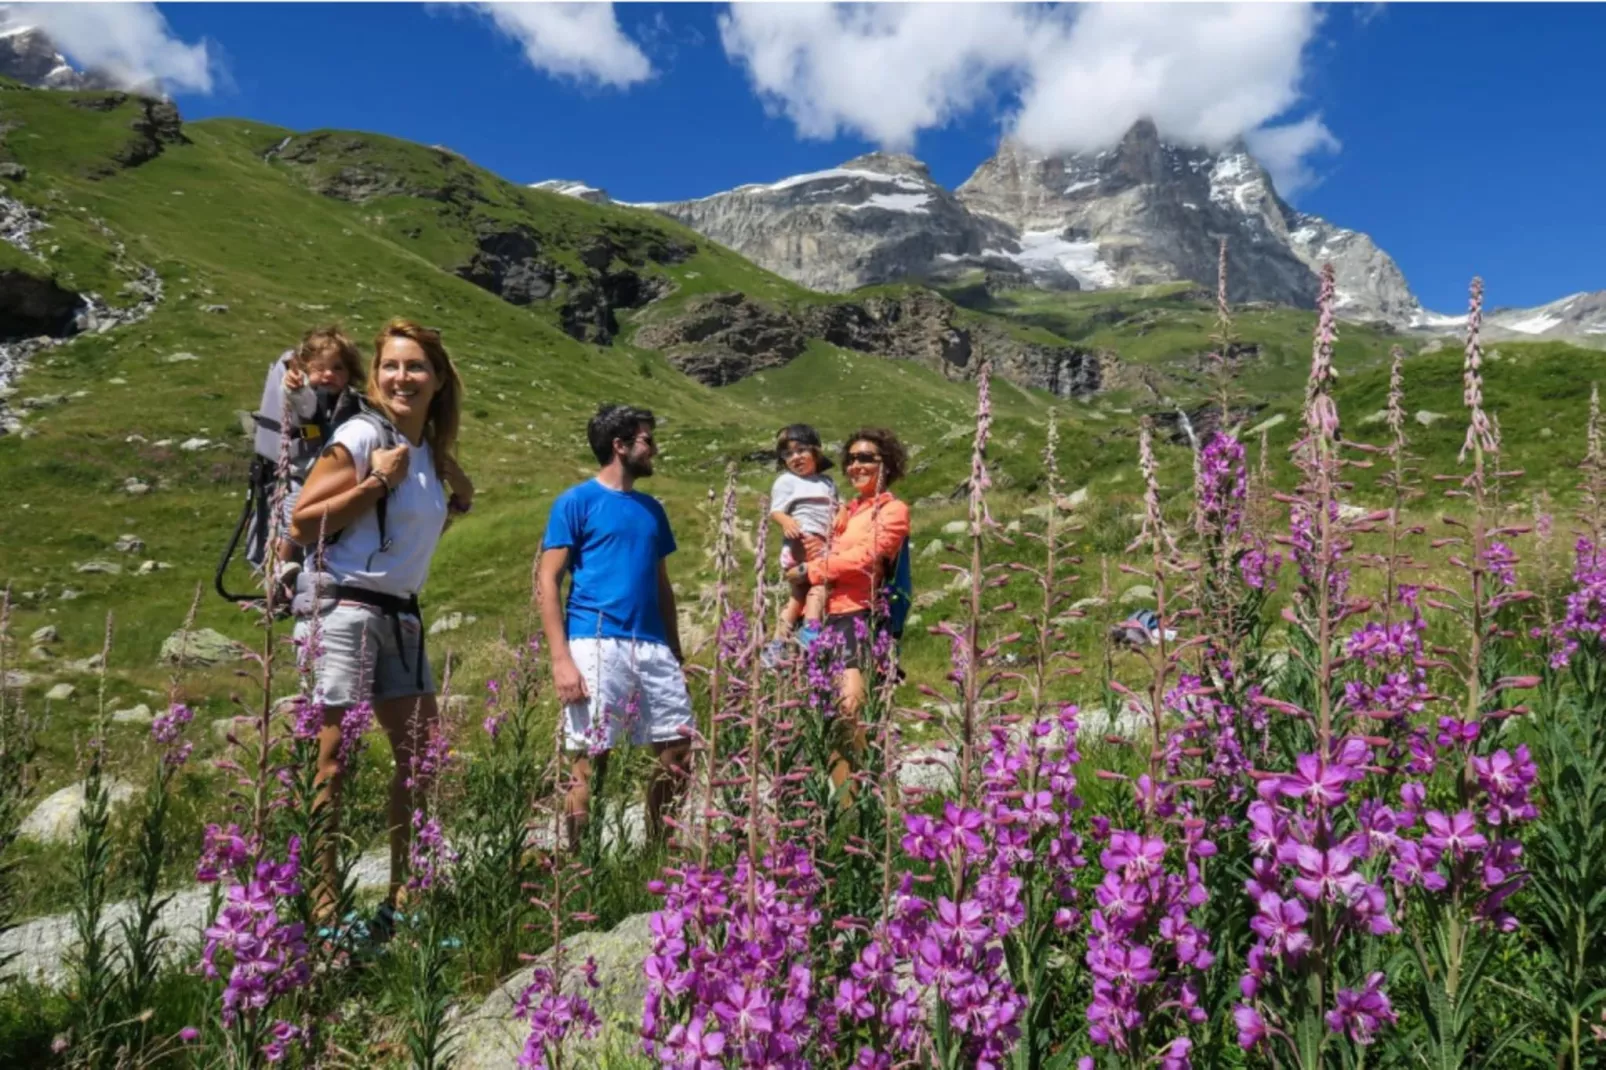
x=377 y=500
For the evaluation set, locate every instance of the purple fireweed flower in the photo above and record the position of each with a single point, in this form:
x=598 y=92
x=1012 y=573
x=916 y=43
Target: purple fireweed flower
x=1326 y=875
x=430 y=857
x=1457 y=834
x=166 y=727
x=1501 y=563
x=1221 y=484
x=1321 y=782
x=1360 y=1013
x=1278 y=924
x=1507 y=779
x=223 y=851
x=1251 y=1026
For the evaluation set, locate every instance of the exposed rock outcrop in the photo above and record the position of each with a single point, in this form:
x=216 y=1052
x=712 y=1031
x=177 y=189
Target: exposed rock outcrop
x=511 y=262
x=718 y=339
x=32 y=306
x=722 y=338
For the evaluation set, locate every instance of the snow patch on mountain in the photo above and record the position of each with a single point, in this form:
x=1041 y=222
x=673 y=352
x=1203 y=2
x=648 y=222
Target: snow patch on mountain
x=1040 y=249
x=895 y=202
x=570 y=188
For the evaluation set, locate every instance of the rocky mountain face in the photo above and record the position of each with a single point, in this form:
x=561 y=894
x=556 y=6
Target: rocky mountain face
x=1148 y=211
x=31 y=58
x=1578 y=315
x=721 y=338
x=1144 y=211
x=877 y=218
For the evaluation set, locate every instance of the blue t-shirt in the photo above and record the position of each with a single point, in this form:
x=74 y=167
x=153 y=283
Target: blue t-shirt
x=615 y=540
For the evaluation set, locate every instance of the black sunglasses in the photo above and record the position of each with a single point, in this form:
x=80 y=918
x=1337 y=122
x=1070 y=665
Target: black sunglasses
x=864 y=458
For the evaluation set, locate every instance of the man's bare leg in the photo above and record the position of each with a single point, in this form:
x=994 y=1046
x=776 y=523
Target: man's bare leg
x=669 y=776
x=577 y=801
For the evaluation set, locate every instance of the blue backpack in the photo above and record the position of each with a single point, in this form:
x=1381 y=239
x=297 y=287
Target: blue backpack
x=900 y=596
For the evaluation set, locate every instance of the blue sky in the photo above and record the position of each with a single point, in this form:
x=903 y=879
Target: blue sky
x=1469 y=138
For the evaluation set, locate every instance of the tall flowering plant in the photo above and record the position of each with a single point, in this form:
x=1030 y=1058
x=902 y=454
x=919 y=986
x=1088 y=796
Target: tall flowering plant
x=1457 y=867
x=1312 y=993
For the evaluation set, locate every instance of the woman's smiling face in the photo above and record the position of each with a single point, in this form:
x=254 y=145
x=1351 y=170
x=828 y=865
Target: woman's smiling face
x=407 y=380
x=864 y=466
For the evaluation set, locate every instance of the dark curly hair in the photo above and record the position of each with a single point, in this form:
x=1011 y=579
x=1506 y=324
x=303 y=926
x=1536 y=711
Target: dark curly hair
x=616 y=422
x=894 y=460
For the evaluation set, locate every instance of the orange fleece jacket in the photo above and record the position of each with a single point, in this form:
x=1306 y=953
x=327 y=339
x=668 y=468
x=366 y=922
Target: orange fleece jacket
x=866 y=539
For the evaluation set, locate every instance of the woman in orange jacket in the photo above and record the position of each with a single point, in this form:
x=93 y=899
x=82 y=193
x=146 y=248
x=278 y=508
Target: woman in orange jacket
x=868 y=534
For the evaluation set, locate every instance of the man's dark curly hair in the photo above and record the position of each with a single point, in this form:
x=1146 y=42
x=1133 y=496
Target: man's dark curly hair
x=616 y=421
x=893 y=458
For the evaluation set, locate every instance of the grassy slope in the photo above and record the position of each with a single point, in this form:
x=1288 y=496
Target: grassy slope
x=222 y=225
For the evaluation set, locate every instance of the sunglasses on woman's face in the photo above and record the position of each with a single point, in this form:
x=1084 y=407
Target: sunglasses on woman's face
x=864 y=458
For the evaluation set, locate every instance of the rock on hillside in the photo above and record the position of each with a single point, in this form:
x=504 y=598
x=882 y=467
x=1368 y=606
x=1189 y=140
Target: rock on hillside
x=722 y=338
x=876 y=218
x=588 y=276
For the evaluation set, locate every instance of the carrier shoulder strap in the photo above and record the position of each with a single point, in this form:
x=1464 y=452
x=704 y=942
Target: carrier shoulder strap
x=389 y=438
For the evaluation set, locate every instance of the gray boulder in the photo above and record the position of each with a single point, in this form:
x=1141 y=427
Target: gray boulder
x=140 y=714
x=53 y=820
x=200 y=648
x=129 y=544
x=60 y=693
x=490 y=1037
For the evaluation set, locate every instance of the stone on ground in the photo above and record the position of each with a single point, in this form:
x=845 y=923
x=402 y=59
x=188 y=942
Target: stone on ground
x=54 y=819
x=490 y=1037
x=1140 y=592
x=202 y=647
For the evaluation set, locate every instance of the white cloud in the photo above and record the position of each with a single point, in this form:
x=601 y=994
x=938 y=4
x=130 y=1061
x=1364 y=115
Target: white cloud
x=1205 y=73
x=131 y=43
x=1284 y=151
x=573 y=40
x=884 y=72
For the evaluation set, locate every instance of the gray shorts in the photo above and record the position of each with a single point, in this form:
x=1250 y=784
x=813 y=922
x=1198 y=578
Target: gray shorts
x=360 y=659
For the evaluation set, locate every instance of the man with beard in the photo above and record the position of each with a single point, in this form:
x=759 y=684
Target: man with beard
x=616 y=642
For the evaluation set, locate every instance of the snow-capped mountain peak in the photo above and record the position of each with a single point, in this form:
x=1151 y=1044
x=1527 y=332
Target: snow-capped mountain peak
x=30 y=57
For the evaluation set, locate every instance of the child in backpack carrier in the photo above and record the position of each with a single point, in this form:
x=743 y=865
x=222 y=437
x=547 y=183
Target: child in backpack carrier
x=302 y=390
x=802 y=502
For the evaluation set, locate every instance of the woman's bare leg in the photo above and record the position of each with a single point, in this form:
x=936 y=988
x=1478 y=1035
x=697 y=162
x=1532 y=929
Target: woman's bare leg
x=850 y=701
x=408 y=723
x=330 y=781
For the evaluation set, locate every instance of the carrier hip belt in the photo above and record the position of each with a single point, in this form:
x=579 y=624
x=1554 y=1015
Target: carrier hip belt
x=392 y=606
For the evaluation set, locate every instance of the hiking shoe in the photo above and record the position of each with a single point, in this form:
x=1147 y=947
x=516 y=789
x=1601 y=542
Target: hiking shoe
x=807 y=634
x=772 y=654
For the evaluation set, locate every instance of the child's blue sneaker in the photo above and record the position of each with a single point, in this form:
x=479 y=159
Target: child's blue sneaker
x=773 y=652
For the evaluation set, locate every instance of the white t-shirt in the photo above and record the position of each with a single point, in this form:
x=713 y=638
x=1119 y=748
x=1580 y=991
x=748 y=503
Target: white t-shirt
x=810 y=500
x=414 y=520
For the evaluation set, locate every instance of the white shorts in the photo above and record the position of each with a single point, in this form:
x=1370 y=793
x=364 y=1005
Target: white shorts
x=635 y=688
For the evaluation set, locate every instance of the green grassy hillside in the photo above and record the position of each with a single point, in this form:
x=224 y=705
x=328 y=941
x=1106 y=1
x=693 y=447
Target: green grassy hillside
x=357 y=228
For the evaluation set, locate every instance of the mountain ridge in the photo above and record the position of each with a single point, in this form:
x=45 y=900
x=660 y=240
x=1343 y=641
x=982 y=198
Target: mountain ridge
x=1142 y=212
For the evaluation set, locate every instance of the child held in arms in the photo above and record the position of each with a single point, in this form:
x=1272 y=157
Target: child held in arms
x=802 y=502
